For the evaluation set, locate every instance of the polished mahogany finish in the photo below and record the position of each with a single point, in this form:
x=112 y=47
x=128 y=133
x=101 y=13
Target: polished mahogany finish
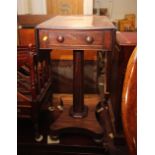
x=129 y=103
x=61 y=59
x=78 y=33
x=78 y=110
x=87 y=125
x=26 y=36
x=125 y=44
x=77 y=23
x=126 y=38
x=75 y=39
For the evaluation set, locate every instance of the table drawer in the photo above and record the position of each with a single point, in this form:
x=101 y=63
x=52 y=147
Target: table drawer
x=86 y=39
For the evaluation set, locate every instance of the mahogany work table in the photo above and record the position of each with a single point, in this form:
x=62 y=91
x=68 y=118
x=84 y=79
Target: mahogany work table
x=78 y=33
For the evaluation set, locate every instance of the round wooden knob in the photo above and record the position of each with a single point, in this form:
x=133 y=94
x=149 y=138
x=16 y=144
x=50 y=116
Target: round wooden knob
x=60 y=39
x=89 y=39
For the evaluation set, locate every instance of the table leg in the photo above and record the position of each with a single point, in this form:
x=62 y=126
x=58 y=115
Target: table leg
x=78 y=110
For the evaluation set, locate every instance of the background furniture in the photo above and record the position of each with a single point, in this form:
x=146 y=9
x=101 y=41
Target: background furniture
x=125 y=44
x=33 y=84
x=26 y=28
x=129 y=103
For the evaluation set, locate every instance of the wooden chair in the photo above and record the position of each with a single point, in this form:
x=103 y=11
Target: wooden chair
x=33 y=84
x=129 y=104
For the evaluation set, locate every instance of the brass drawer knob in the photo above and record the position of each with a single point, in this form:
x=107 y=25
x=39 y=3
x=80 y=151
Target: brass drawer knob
x=45 y=38
x=60 y=39
x=89 y=39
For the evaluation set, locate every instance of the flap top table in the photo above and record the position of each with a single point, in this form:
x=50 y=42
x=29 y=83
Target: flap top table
x=77 y=33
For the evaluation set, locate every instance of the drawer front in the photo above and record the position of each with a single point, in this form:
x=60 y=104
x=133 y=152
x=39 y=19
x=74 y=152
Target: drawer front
x=65 y=39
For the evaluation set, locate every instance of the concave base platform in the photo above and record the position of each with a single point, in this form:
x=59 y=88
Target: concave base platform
x=88 y=125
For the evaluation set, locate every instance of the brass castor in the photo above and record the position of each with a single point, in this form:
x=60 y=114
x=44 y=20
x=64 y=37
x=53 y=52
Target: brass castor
x=39 y=138
x=53 y=140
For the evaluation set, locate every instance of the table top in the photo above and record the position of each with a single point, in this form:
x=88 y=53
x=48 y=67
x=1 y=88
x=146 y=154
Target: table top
x=126 y=38
x=77 y=22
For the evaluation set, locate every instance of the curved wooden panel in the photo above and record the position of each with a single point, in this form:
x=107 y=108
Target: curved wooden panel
x=129 y=104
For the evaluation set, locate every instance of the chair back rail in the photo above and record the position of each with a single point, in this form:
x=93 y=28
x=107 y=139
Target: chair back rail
x=33 y=71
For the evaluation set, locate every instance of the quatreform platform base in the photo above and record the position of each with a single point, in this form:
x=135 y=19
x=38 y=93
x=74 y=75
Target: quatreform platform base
x=87 y=125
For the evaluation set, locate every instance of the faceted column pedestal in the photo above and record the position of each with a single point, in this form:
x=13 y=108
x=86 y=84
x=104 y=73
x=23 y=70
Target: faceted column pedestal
x=78 y=118
x=78 y=110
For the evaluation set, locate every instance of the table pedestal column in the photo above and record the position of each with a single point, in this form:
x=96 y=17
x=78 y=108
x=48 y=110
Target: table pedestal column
x=77 y=118
x=78 y=110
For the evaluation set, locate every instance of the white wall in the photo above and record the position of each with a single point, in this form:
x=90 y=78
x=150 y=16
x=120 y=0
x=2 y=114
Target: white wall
x=124 y=7
x=87 y=7
x=117 y=8
x=31 y=6
x=38 y=6
x=23 y=6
